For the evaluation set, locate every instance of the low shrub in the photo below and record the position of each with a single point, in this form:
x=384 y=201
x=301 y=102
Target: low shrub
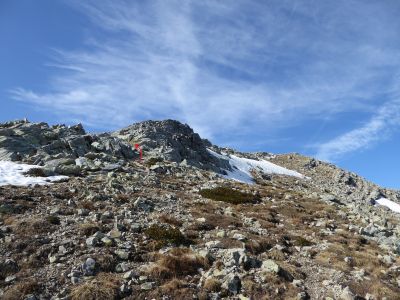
x=153 y=160
x=53 y=220
x=88 y=229
x=21 y=290
x=103 y=287
x=166 y=234
x=35 y=172
x=229 y=195
x=170 y=220
x=302 y=242
x=177 y=263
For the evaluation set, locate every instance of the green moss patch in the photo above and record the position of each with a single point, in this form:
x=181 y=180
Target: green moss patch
x=166 y=235
x=229 y=195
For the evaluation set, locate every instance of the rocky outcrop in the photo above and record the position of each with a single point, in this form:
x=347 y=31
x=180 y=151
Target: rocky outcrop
x=61 y=149
x=172 y=141
x=336 y=183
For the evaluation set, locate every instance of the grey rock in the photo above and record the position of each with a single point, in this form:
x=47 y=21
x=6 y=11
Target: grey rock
x=346 y=294
x=88 y=267
x=147 y=286
x=270 y=266
x=234 y=284
x=122 y=254
x=93 y=241
x=122 y=267
x=303 y=296
x=173 y=141
x=143 y=204
x=10 y=279
x=129 y=275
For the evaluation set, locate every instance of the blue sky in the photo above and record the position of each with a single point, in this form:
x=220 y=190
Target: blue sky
x=320 y=78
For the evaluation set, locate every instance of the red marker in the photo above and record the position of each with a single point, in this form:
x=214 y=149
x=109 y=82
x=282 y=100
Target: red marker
x=137 y=146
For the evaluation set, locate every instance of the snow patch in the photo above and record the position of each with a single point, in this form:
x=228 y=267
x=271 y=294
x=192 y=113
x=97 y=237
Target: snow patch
x=12 y=173
x=393 y=206
x=242 y=167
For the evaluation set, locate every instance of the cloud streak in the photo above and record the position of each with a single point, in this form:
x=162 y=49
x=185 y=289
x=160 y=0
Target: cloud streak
x=378 y=128
x=226 y=67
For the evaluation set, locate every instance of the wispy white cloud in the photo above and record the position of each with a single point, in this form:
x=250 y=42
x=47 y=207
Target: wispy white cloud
x=226 y=67
x=378 y=128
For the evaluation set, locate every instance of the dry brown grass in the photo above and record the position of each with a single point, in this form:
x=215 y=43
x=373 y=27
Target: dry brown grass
x=166 y=235
x=375 y=287
x=106 y=262
x=212 y=285
x=103 y=287
x=173 y=285
x=177 y=263
x=213 y=217
x=32 y=226
x=21 y=289
x=88 y=229
x=87 y=204
x=365 y=257
x=170 y=220
x=259 y=246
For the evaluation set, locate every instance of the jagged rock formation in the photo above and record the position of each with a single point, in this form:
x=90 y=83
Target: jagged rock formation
x=61 y=149
x=173 y=141
x=171 y=227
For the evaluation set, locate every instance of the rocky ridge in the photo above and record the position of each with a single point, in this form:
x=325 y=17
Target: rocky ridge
x=171 y=227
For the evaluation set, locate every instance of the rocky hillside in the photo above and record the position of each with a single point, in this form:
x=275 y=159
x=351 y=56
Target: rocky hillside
x=176 y=226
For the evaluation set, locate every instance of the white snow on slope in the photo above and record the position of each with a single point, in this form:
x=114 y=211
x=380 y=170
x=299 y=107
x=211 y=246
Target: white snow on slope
x=393 y=206
x=243 y=166
x=12 y=173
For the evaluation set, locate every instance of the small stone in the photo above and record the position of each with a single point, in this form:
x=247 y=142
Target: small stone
x=235 y=285
x=125 y=289
x=92 y=241
x=107 y=241
x=214 y=244
x=124 y=255
x=221 y=234
x=129 y=275
x=239 y=237
x=143 y=204
x=387 y=259
x=10 y=279
x=349 y=260
x=75 y=280
x=298 y=283
x=115 y=234
x=303 y=296
x=53 y=259
x=83 y=212
x=147 y=286
x=369 y=297
x=347 y=294
x=270 y=266
x=89 y=266
x=122 y=267
x=107 y=215
x=62 y=250
x=136 y=227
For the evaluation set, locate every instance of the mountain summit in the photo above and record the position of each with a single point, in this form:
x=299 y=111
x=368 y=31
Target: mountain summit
x=83 y=217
